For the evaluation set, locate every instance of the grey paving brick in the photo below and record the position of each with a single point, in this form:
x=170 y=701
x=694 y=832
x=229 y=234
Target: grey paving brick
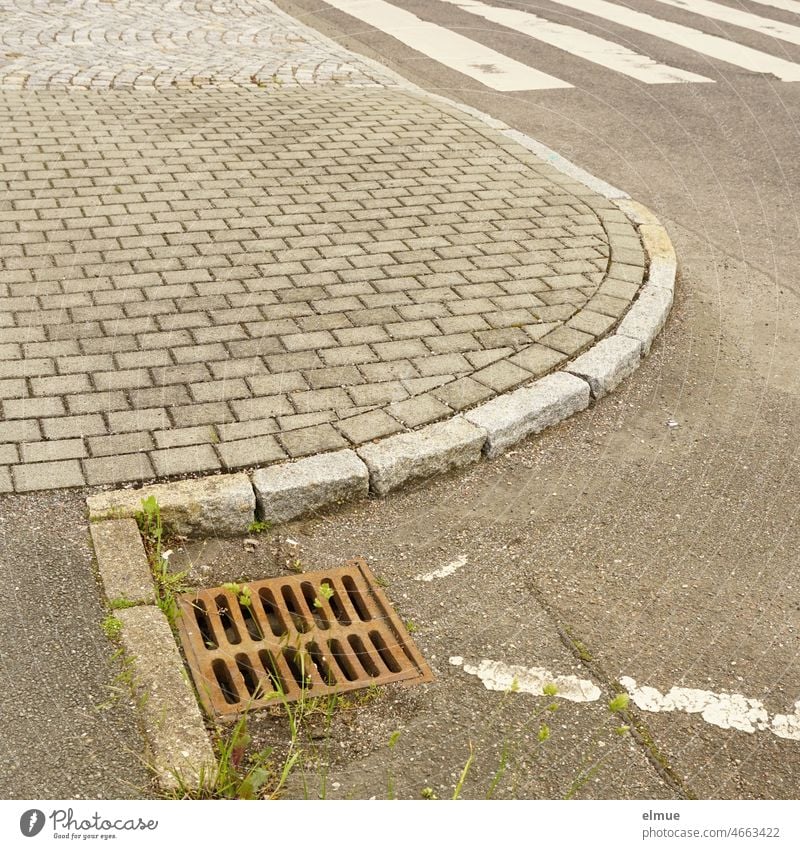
x=244 y=430
x=446 y=364
x=538 y=359
x=261 y=408
x=368 y=426
x=55 y=475
x=122 y=443
x=462 y=393
x=349 y=355
x=9 y=454
x=502 y=375
x=335 y=376
x=320 y=399
x=54 y=449
x=27 y=408
x=419 y=410
x=120 y=468
x=179 y=436
x=68 y=427
x=312 y=440
x=255 y=451
x=13 y=388
x=594 y=323
x=147 y=418
x=178 y=461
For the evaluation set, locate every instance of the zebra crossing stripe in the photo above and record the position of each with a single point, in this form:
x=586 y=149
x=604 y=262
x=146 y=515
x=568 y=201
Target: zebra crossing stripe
x=468 y=57
x=582 y=44
x=691 y=39
x=784 y=5
x=746 y=20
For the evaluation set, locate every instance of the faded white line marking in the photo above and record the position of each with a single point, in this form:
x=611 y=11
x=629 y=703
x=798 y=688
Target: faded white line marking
x=787 y=725
x=497 y=675
x=468 y=57
x=785 y=5
x=746 y=20
x=691 y=39
x=444 y=571
x=730 y=711
x=725 y=710
x=592 y=48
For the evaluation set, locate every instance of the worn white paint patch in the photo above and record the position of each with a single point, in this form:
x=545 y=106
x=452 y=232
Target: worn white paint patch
x=725 y=710
x=497 y=675
x=444 y=571
x=787 y=725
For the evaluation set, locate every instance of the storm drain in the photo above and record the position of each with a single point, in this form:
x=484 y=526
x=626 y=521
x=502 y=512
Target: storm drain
x=306 y=635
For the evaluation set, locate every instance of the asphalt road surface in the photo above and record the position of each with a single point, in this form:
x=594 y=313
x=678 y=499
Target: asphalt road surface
x=670 y=550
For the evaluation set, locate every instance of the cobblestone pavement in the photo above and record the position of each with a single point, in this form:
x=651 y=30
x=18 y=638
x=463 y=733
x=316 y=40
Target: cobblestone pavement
x=205 y=278
x=131 y=44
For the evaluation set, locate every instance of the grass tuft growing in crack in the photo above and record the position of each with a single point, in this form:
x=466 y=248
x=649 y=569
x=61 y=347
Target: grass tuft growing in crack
x=169 y=585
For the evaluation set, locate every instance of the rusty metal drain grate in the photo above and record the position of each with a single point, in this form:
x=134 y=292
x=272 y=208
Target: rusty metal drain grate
x=304 y=635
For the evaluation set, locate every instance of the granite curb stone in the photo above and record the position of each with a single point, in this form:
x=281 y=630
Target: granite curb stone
x=287 y=491
x=122 y=561
x=647 y=316
x=608 y=363
x=432 y=450
x=222 y=505
x=180 y=751
x=510 y=418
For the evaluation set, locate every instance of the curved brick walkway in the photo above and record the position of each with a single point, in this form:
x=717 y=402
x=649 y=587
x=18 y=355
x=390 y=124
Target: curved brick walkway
x=214 y=279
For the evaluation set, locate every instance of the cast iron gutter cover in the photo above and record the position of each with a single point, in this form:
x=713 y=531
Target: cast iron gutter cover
x=295 y=638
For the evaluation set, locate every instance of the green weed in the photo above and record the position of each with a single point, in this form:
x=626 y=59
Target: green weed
x=169 y=585
x=112 y=627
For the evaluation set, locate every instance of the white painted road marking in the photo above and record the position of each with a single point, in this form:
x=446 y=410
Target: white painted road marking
x=609 y=54
x=497 y=675
x=725 y=710
x=785 y=5
x=444 y=571
x=746 y=20
x=692 y=39
x=483 y=64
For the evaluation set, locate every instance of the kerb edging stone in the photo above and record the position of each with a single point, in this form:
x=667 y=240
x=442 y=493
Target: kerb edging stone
x=222 y=505
x=432 y=450
x=608 y=363
x=287 y=491
x=122 y=561
x=180 y=751
x=510 y=418
x=647 y=316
